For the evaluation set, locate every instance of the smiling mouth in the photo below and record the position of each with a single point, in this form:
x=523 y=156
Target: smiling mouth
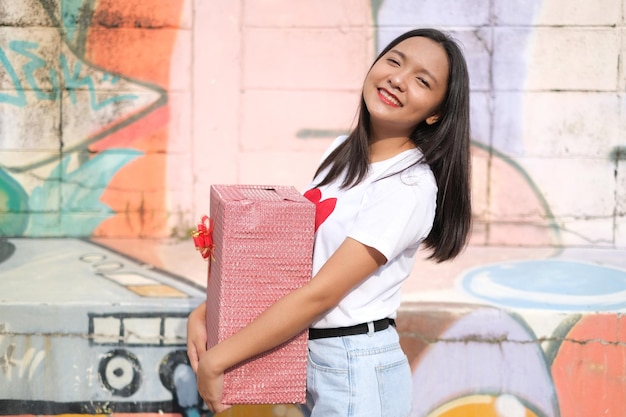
x=389 y=98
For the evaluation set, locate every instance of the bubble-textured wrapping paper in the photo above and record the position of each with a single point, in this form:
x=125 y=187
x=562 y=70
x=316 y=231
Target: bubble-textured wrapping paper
x=263 y=237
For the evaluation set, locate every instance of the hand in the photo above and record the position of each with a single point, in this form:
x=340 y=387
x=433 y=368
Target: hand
x=196 y=335
x=211 y=384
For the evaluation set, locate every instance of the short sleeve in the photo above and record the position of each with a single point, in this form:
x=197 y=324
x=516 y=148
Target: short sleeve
x=397 y=212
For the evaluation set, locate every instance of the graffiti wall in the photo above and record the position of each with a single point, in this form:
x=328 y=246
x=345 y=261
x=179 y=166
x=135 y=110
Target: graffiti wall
x=86 y=109
x=91 y=332
x=117 y=115
x=532 y=338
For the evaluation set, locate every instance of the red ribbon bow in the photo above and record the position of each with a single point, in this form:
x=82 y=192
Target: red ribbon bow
x=203 y=237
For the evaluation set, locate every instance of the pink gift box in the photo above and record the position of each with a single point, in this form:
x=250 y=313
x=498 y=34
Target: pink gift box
x=263 y=237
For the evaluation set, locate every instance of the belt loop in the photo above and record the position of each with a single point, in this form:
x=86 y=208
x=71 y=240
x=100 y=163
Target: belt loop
x=370 y=328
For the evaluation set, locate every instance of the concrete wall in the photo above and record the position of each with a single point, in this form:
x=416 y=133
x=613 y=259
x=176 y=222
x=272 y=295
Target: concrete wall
x=116 y=116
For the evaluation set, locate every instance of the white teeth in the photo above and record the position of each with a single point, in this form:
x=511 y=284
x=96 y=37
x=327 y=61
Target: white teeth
x=389 y=97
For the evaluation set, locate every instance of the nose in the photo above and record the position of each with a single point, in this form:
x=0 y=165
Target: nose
x=397 y=80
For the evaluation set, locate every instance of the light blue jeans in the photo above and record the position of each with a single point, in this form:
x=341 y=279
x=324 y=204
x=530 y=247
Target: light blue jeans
x=365 y=375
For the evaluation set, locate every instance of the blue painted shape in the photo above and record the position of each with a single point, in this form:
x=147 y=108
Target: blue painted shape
x=19 y=99
x=35 y=62
x=80 y=192
x=549 y=284
x=70 y=13
x=14 y=200
x=74 y=81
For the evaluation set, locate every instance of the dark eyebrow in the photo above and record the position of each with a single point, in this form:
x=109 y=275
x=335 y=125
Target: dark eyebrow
x=424 y=70
x=402 y=55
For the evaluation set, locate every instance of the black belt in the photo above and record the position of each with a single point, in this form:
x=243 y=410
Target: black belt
x=351 y=330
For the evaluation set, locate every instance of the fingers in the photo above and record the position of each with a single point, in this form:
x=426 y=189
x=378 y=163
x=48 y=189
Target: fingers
x=196 y=335
x=218 y=408
x=213 y=404
x=211 y=384
x=192 y=354
x=192 y=350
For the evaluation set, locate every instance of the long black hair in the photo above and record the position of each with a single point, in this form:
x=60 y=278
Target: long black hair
x=444 y=144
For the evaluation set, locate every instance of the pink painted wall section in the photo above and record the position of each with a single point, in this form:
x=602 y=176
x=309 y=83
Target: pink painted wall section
x=217 y=101
x=279 y=91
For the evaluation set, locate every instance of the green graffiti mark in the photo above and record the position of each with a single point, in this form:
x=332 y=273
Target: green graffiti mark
x=550 y=218
x=320 y=133
x=76 y=17
x=35 y=63
x=68 y=203
x=19 y=99
x=376 y=5
x=72 y=78
x=559 y=335
x=74 y=82
x=618 y=153
x=13 y=206
x=70 y=15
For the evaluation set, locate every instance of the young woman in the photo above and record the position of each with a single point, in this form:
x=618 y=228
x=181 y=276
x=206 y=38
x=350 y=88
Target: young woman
x=401 y=179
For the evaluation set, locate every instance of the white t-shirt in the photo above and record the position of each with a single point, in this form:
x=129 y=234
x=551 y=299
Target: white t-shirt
x=392 y=214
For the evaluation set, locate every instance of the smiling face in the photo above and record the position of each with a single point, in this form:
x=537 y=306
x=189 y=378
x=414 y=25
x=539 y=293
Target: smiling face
x=406 y=86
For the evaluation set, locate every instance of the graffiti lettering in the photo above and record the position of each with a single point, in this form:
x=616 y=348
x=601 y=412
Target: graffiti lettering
x=35 y=63
x=72 y=80
x=19 y=99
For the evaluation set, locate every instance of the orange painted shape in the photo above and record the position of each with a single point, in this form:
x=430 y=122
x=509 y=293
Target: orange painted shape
x=478 y=406
x=139 y=415
x=278 y=410
x=136 y=194
x=157 y=291
x=141 y=54
x=589 y=372
x=138 y=13
x=146 y=134
x=135 y=38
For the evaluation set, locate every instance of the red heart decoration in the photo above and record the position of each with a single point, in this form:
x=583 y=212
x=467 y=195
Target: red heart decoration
x=323 y=208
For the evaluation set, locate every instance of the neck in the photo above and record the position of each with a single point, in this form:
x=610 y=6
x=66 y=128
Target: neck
x=385 y=147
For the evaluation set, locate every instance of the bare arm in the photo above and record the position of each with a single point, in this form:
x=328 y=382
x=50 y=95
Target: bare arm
x=347 y=267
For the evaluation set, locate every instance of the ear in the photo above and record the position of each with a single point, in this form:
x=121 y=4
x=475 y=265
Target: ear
x=431 y=120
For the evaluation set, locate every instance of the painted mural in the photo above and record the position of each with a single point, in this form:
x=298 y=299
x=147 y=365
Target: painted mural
x=82 y=116
x=92 y=331
x=531 y=338
x=96 y=332
x=96 y=99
